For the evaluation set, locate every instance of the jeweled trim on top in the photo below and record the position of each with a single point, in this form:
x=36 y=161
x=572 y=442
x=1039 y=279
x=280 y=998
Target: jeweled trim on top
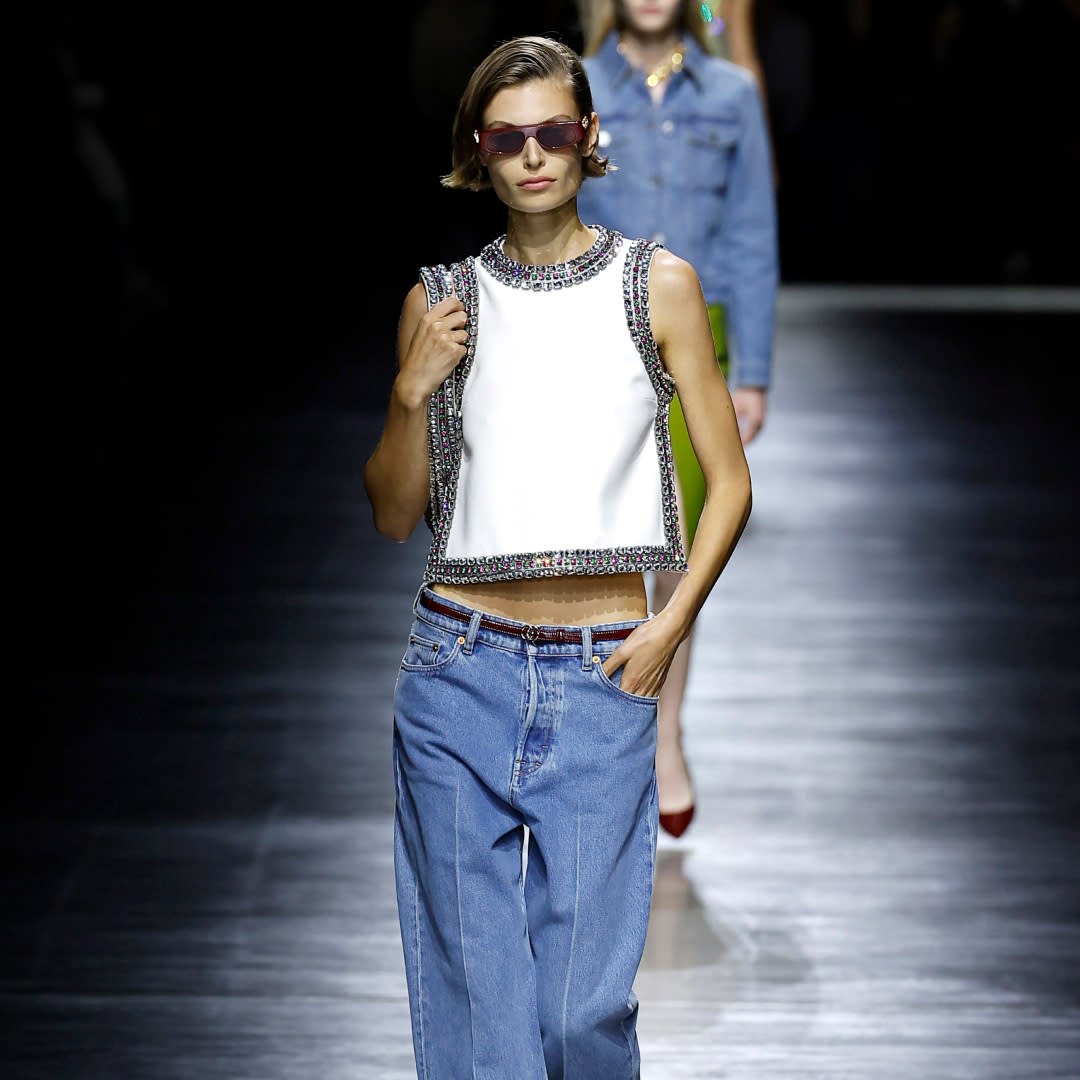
x=445 y=439
x=537 y=564
x=636 y=301
x=554 y=275
x=446 y=443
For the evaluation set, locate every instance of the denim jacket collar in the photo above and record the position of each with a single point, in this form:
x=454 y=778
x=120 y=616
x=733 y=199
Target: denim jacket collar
x=618 y=69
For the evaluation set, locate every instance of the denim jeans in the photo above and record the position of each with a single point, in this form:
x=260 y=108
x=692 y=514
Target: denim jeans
x=515 y=973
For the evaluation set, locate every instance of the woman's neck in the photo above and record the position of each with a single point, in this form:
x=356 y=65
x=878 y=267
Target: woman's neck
x=544 y=239
x=647 y=51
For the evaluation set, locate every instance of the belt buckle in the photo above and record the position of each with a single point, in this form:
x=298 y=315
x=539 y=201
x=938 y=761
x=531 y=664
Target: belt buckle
x=530 y=633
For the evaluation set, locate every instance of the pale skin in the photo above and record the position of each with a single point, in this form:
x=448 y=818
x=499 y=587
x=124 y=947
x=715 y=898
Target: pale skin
x=543 y=227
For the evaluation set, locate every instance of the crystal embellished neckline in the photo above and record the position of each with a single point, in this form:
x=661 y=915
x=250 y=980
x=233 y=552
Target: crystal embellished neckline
x=552 y=275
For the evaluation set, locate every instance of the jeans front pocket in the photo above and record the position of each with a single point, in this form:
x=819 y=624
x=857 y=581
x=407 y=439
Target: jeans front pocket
x=430 y=649
x=612 y=683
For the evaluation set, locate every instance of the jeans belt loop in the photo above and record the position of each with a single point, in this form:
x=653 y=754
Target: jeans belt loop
x=418 y=599
x=586 y=648
x=470 y=634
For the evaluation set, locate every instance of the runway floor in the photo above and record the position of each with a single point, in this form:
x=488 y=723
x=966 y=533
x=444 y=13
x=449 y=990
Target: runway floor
x=883 y=879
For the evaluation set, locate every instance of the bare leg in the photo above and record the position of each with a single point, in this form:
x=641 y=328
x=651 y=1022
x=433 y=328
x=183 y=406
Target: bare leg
x=674 y=786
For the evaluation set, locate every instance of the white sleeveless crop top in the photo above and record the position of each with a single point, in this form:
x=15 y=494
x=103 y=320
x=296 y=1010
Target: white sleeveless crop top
x=549 y=444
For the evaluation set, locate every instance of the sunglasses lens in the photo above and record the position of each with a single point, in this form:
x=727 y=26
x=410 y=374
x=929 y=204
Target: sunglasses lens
x=559 y=136
x=550 y=136
x=503 y=142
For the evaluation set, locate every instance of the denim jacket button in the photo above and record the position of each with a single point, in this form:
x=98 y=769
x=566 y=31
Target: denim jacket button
x=667 y=127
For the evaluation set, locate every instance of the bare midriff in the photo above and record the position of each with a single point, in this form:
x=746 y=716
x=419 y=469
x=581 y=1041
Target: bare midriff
x=579 y=600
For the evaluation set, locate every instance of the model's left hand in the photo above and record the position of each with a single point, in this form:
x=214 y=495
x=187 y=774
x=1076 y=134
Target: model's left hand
x=749 y=402
x=645 y=657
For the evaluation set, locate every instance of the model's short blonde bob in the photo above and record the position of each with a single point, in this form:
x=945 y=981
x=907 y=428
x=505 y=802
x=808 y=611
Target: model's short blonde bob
x=519 y=60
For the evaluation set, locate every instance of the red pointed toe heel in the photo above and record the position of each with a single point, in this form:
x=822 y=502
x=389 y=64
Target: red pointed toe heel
x=677 y=823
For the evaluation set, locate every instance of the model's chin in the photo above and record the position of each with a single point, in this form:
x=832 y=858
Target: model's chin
x=653 y=23
x=534 y=202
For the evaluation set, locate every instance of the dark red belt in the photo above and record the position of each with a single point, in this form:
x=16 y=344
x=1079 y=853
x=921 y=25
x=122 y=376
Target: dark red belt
x=561 y=635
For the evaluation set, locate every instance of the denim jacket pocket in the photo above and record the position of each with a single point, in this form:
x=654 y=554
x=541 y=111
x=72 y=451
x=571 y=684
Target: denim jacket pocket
x=431 y=651
x=710 y=144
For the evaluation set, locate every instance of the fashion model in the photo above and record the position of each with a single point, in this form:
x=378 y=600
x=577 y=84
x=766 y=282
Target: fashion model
x=528 y=426
x=688 y=133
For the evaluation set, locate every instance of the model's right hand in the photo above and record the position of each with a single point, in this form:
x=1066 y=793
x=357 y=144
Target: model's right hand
x=436 y=347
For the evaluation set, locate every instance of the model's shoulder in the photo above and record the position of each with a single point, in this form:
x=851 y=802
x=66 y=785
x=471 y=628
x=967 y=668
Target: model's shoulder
x=727 y=78
x=671 y=266
x=659 y=257
x=441 y=280
x=605 y=50
x=670 y=273
x=436 y=282
x=440 y=269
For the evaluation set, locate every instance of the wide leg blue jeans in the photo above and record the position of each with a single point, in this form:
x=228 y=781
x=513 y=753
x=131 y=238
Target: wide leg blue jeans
x=512 y=974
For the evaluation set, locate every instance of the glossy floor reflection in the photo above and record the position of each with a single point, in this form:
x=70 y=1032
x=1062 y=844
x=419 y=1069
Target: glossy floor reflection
x=882 y=878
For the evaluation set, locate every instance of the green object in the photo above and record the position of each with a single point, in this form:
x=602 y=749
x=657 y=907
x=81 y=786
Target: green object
x=719 y=335
x=691 y=480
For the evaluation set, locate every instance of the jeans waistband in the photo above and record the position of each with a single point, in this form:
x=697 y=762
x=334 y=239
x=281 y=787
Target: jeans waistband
x=521 y=634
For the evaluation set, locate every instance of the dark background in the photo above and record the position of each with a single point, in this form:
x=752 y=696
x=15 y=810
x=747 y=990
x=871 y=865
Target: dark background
x=206 y=205
x=209 y=215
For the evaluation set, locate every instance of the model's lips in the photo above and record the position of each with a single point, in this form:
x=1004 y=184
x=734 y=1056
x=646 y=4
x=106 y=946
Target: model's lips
x=536 y=183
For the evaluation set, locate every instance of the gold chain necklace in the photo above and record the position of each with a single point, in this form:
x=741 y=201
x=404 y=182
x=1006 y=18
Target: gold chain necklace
x=662 y=71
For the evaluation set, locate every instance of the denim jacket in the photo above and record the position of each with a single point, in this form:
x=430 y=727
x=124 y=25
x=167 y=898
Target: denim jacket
x=694 y=174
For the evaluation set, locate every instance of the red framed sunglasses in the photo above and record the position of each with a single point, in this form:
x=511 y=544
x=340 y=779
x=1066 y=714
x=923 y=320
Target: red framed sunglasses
x=560 y=135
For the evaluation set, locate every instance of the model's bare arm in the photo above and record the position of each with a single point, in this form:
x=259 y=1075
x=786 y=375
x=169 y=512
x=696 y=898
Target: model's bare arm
x=682 y=330
x=739 y=16
x=680 y=323
x=396 y=477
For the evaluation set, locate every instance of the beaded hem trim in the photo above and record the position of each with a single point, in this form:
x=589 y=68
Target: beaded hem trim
x=636 y=301
x=445 y=439
x=555 y=275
